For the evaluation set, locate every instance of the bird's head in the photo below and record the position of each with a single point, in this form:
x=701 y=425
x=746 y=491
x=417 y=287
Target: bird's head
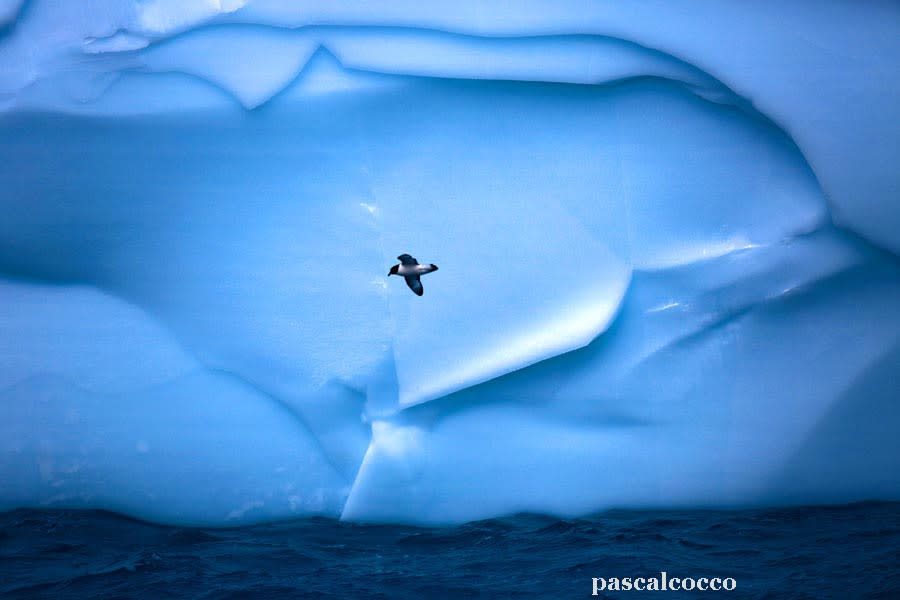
x=394 y=270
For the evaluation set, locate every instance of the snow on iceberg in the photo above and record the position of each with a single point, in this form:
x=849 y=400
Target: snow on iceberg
x=642 y=298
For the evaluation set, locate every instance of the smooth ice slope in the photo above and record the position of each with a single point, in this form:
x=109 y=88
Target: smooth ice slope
x=642 y=296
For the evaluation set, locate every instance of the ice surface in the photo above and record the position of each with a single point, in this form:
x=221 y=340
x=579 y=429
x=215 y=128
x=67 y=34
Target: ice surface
x=9 y=10
x=200 y=449
x=698 y=390
x=251 y=64
x=824 y=74
x=642 y=296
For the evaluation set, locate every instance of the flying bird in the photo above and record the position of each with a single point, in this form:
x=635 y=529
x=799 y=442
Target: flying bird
x=410 y=269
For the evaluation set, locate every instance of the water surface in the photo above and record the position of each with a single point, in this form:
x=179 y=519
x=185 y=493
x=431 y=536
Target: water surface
x=808 y=552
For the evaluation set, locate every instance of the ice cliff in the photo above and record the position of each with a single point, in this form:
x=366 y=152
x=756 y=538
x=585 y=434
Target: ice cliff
x=667 y=239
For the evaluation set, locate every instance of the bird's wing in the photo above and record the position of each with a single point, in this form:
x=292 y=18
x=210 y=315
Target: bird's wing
x=415 y=284
x=406 y=259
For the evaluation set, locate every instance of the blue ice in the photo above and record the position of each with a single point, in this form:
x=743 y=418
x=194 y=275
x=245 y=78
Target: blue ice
x=667 y=251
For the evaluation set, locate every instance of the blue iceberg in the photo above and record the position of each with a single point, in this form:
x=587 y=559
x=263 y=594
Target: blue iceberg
x=667 y=243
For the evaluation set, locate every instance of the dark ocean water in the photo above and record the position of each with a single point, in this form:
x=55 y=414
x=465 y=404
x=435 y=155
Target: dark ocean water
x=820 y=552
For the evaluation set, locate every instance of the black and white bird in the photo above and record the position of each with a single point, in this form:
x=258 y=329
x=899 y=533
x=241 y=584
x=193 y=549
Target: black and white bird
x=410 y=269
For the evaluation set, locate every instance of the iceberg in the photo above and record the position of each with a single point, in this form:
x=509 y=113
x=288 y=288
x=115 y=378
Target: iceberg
x=668 y=258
